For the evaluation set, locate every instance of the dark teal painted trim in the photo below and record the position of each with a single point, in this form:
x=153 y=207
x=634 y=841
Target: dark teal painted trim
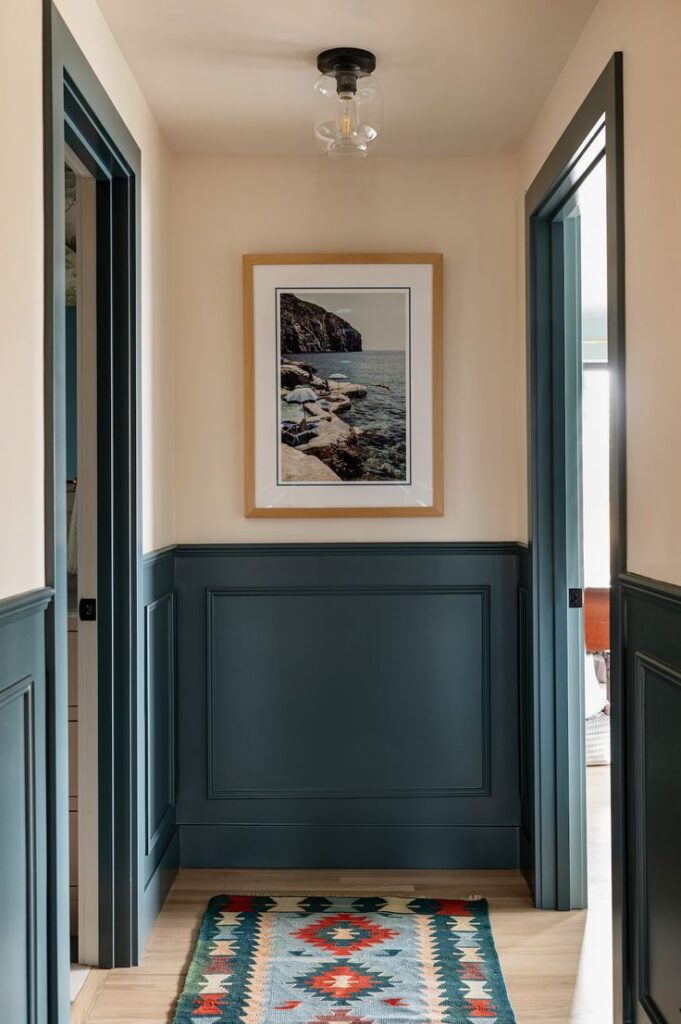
x=571 y=159
x=655 y=590
x=525 y=724
x=23 y=605
x=159 y=556
x=618 y=522
x=78 y=111
x=646 y=669
x=159 y=839
x=216 y=585
x=71 y=392
x=472 y=548
x=277 y=792
x=23 y=690
x=23 y=846
x=158 y=885
x=56 y=939
x=348 y=845
x=567 y=571
x=651 y=613
x=156 y=833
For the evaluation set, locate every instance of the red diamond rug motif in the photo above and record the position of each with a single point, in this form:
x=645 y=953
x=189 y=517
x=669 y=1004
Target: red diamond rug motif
x=342 y=982
x=343 y=934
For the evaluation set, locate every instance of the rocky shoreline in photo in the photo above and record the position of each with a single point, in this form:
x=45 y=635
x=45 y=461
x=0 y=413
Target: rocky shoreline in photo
x=322 y=447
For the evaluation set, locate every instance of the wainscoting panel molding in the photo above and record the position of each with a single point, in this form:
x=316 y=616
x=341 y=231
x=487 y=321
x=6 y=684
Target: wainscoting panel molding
x=23 y=816
x=335 y=692
x=348 y=705
x=159 y=694
x=526 y=722
x=652 y=619
x=158 y=738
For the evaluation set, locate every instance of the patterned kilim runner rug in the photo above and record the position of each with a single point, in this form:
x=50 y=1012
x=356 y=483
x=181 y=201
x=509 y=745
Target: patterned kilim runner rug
x=344 y=960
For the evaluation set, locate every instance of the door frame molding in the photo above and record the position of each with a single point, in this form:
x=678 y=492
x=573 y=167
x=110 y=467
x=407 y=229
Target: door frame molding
x=87 y=726
x=78 y=111
x=596 y=131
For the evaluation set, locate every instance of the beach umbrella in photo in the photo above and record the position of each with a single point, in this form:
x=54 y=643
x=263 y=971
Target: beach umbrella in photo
x=338 y=377
x=301 y=396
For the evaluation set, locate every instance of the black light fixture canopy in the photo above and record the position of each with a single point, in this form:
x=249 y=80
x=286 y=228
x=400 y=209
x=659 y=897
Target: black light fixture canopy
x=348 y=106
x=346 y=64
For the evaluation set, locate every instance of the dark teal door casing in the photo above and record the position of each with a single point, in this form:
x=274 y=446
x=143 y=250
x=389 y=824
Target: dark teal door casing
x=78 y=113
x=555 y=855
x=566 y=335
x=81 y=115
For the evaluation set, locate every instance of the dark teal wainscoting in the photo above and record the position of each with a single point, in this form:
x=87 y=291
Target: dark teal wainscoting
x=652 y=699
x=157 y=748
x=526 y=721
x=349 y=705
x=23 y=814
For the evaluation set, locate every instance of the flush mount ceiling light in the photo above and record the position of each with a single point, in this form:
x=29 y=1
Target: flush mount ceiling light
x=348 y=104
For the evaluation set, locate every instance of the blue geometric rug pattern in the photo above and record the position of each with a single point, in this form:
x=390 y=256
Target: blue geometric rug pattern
x=344 y=960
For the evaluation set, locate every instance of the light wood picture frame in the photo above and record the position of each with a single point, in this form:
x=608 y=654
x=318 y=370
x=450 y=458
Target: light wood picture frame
x=343 y=385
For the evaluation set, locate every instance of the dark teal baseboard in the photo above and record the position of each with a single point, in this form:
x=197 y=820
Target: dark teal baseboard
x=349 y=846
x=158 y=886
x=349 y=705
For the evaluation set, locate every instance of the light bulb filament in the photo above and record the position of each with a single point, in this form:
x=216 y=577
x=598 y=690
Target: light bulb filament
x=346 y=124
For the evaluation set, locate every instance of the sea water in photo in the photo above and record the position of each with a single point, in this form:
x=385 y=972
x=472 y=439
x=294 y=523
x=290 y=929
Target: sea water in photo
x=380 y=418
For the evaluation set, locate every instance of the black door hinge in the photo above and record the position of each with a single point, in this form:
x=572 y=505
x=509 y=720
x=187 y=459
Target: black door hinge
x=575 y=597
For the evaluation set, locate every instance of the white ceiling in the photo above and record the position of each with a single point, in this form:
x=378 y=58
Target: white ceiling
x=236 y=76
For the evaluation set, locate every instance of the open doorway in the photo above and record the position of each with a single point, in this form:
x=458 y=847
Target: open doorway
x=577 y=526
x=594 y=399
x=80 y=401
x=92 y=522
x=595 y=403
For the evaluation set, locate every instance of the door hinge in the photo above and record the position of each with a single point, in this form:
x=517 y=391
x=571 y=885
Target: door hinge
x=575 y=597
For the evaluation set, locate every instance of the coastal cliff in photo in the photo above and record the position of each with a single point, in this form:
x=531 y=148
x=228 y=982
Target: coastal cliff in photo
x=344 y=408
x=306 y=327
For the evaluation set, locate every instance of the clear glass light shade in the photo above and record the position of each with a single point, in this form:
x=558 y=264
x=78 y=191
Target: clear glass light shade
x=347 y=124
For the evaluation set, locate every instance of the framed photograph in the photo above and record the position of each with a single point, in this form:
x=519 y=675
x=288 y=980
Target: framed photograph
x=343 y=377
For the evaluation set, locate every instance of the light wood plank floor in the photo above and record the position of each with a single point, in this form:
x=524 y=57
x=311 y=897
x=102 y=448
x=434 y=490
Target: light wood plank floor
x=557 y=965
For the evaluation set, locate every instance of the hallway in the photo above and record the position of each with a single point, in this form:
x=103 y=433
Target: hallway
x=557 y=965
x=339 y=403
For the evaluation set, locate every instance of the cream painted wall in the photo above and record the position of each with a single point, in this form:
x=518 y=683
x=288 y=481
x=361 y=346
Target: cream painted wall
x=220 y=208
x=21 y=300
x=21 y=286
x=94 y=37
x=464 y=208
x=649 y=34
